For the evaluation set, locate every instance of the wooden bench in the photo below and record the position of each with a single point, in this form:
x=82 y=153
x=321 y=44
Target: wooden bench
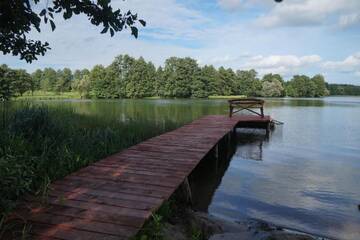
x=237 y=105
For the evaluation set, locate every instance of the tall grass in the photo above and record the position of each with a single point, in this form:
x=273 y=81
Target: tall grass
x=40 y=144
x=44 y=95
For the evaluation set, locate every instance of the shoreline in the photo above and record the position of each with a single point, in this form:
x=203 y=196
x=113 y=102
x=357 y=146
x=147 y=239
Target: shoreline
x=216 y=228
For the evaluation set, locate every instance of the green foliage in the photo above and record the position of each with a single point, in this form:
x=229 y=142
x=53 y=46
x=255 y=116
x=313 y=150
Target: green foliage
x=36 y=80
x=196 y=234
x=304 y=86
x=32 y=122
x=140 y=79
x=49 y=79
x=226 y=82
x=13 y=82
x=18 y=17
x=247 y=83
x=64 y=80
x=7 y=89
x=272 y=86
x=101 y=83
x=152 y=230
x=82 y=85
x=128 y=77
x=179 y=73
x=343 y=89
x=39 y=145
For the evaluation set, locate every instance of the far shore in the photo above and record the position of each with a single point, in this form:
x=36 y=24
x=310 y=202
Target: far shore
x=42 y=95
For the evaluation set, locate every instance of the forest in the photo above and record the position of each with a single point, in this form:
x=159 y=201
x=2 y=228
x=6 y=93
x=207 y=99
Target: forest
x=128 y=77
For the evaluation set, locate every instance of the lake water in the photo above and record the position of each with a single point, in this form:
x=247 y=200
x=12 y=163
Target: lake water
x=305 y=176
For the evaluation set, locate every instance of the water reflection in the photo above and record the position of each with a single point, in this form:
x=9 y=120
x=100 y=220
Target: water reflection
x=250 y=143
x=306 y=176
x=291 y=185
x=207 y=176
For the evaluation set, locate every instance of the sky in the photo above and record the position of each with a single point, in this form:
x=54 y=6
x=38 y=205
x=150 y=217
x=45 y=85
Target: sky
x=293 y=37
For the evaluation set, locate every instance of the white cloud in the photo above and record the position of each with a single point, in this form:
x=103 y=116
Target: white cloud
x=349 y=64
x=166 y=19
x=307 y=12
x=230 y=4
x=349 y=20
x=174 y=28
x=234 y=5
x=283 y=64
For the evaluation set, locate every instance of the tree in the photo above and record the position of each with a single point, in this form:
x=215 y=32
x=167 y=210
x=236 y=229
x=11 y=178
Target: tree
x=37 y=77
x=101 y=85
x=301 y=86
x=179 y=73
x=343 y=89
x=159 y=83
x=64 y=79
x=140 y=79
x=19 y=17
x=82 y=86
x=22 y=82
x=226 y=80
x=7 y=77
x=118 y=72
x=210 y=77
x=247 y=83
x=272 y=89
x=205 y=82
x=320 y=86
x=48 y=80
x=272 y=86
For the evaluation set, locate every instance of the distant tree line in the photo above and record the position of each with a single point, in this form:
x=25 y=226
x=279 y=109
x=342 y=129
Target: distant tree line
x=128 y=77
x=343 y=89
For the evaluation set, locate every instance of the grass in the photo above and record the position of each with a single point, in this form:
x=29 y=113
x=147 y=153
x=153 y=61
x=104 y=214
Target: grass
x=153 y=97
x=41 y=144
x=43 y=95
x=227 y=97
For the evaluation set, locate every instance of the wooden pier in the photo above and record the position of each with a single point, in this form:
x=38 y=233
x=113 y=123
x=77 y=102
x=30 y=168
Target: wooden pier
x=112 y=198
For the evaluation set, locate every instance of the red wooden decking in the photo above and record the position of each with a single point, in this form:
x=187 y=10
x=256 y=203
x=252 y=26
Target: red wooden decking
x=112 y=198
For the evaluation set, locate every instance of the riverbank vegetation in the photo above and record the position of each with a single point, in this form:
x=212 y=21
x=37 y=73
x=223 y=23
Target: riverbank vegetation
x=40 y=144
x=127 y=77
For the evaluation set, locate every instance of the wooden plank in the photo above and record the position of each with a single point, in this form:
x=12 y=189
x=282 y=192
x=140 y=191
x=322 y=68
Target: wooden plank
x=68 y=233
x=109 y=194
x=95 y=206
x=112 y=198
x=118 y=187
x=27 y=209
x=83 y=224
x=64 y=196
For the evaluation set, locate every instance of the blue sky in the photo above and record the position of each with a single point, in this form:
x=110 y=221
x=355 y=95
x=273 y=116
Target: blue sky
x=294 y=37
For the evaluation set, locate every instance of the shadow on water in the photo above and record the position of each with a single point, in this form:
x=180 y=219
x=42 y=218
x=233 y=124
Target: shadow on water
x=207 y=176
x=253 y=140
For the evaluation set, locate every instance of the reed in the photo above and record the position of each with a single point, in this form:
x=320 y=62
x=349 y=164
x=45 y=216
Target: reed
x=40 y=144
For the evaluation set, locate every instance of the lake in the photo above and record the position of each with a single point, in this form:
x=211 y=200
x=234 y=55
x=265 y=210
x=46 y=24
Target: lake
x=305 y=176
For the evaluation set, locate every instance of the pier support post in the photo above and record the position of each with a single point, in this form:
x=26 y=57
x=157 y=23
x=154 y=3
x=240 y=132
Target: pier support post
x=217 y=156
x=185 y=192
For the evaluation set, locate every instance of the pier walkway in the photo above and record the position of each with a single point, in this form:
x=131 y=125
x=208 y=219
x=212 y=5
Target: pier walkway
x=112 y=198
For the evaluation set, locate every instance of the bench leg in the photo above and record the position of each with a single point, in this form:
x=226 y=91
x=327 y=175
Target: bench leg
x=230 y=111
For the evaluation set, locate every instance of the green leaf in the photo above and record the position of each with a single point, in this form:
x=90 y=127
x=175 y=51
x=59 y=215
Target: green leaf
x=67 y=14
x=104 y=30
x=142 y=22
x=42 y=13
x=52 y=25
x=134 y=31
